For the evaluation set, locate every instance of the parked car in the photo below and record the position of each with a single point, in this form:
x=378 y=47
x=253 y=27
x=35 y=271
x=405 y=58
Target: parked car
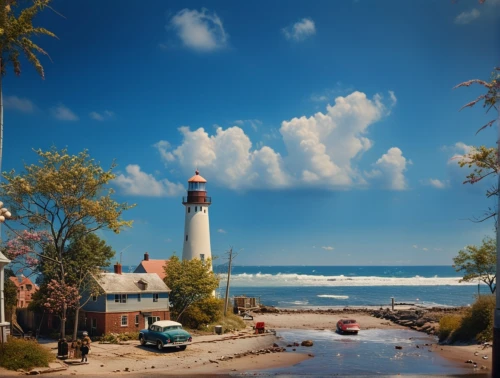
x=165 y=333
x=347 y=326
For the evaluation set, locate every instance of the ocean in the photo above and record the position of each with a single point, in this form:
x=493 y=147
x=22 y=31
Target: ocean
x=311 y=287
x=341 y=286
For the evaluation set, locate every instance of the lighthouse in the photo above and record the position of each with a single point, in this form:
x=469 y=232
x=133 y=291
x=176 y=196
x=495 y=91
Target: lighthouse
x=196 y=225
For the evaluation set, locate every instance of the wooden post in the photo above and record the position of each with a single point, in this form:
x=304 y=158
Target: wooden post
x=392 y=303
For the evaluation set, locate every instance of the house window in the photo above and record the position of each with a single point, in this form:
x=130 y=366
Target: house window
x=189 y=209
x=186 y=238
x=29 y=287
x=94 y=323
x=120 y=298
x=124 y=320
x=155 y=297
x=139 y=297
x=94 y=298
x=137 y=320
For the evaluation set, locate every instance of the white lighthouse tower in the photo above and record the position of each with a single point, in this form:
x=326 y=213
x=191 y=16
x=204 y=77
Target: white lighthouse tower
x=196 y=225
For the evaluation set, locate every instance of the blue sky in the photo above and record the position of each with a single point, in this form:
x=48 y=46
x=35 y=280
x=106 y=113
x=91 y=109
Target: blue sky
x=325 y=129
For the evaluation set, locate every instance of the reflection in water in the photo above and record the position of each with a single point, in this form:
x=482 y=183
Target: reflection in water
x=370 y=352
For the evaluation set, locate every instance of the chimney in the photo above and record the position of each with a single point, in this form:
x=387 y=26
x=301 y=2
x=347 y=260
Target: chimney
x=118 y=268
x=146 y=256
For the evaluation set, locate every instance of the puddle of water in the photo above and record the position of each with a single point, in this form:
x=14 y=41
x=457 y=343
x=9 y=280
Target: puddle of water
x=371 y=352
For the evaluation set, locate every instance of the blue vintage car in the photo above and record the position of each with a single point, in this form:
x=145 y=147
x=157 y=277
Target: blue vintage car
x=165 y=333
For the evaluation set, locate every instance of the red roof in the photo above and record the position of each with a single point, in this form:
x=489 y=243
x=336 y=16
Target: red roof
x=153 y=266
x=197 y=178
x=19 y=281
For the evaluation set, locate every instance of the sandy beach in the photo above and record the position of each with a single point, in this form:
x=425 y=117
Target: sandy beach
x=238 y=352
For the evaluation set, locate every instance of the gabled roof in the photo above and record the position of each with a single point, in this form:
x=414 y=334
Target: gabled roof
x=18 y=281
x=4 y=259
x=153 y=266
x=113 y=283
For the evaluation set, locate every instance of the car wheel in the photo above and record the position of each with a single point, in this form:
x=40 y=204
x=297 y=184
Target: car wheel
x=142 y=340
x=182 y=347
x=159 y=345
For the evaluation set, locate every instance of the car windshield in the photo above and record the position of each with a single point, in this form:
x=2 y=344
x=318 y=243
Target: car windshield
x=349 y=321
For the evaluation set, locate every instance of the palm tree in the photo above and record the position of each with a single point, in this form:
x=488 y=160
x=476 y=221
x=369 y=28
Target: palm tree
x=16 y=33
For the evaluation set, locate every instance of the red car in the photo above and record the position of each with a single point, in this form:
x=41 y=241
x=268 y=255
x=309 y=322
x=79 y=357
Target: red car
x=347 y=326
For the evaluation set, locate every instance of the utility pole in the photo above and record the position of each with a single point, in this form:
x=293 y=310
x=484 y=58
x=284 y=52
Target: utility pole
x=496 y=323
x=226 y=301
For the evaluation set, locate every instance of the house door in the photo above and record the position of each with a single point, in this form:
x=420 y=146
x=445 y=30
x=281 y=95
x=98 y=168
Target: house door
x=150 y=320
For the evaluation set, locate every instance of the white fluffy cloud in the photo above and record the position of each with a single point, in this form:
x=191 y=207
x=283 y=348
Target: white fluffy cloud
x=136 y=182
x=389 y=170
x=221 y=231
x=467 y=17
x=438 y=184
x=300 y=30
x=328 y=248
x=102 y=116
x=201 y=31
x=63 y=113
x=17 y=103
x=320 y=151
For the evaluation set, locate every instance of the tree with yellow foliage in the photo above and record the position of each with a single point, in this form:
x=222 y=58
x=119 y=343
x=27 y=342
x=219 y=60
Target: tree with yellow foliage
x=62 y=197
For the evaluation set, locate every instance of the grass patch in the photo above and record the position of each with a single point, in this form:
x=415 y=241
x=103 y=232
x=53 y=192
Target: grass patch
x=115 y=338
x=229 y=323
x=24 y=354
x=447 y=325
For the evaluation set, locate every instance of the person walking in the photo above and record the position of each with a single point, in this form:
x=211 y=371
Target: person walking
x=86 y=338
x=85 y=350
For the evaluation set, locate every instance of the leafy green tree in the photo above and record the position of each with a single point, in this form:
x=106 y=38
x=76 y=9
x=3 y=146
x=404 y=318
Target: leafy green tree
x=62 y=197
x=478 y=263
x=10 y=290
x=191 y=281
x=16 y=39
x=84 y=259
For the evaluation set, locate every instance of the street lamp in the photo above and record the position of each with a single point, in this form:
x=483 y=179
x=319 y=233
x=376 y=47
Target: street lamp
x=4 y=214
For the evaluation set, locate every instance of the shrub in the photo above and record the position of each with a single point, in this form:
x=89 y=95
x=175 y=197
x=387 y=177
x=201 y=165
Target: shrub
x=229 y=323
x=477 y=323
x=447 y=325
x=24 y=354
x=204 y=312
x=115 y=338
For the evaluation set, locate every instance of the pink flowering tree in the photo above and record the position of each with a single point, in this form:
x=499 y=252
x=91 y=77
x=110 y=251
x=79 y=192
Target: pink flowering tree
x=61 y=296
x=25 y=249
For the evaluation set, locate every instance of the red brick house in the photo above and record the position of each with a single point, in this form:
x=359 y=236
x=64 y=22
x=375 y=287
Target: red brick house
x=129 y=303
x=25 y=290
x=152 y=266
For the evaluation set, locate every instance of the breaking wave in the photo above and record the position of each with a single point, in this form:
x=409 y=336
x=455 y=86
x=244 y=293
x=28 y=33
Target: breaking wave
x=289 y=279
x=333 y=296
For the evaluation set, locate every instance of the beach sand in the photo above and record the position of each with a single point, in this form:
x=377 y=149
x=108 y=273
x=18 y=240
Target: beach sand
x=225 y=354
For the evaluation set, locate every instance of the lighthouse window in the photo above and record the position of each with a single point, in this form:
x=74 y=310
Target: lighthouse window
x=186 y=238
x=202 y=256
x=196 y=208
x=204 y=210
x=189 y=209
